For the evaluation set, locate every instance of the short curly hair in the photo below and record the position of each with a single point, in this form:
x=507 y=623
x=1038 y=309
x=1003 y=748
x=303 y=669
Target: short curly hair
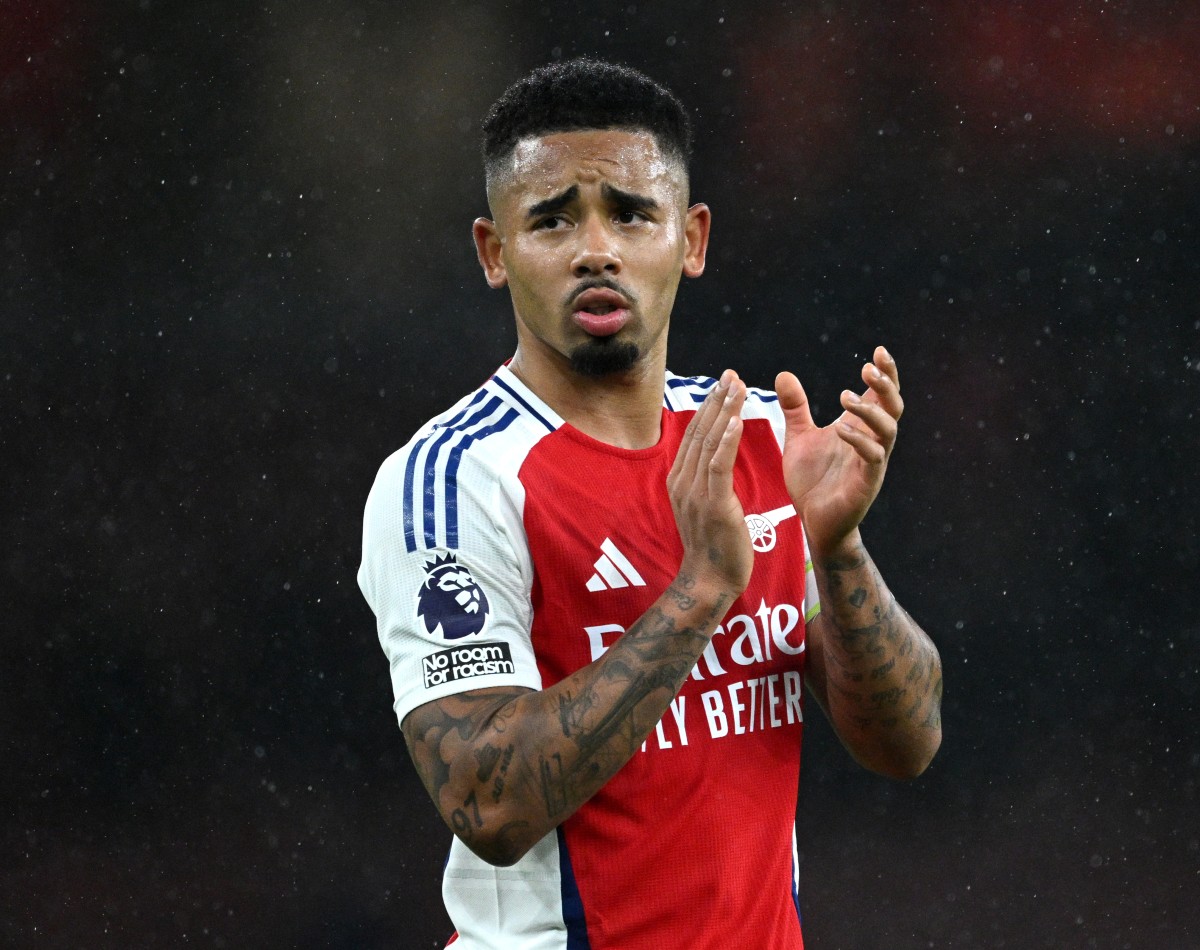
x=584 y=93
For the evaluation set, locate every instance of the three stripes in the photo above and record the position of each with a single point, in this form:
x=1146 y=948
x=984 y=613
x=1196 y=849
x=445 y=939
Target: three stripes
x=442 y=451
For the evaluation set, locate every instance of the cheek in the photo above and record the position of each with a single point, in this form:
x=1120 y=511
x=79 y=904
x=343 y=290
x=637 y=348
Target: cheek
x=526 y=269
x=531 y=284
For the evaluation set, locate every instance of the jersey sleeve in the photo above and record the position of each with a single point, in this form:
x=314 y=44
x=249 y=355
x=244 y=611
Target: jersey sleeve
x=453 y=613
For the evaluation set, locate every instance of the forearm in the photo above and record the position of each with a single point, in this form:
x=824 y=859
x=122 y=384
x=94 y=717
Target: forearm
x=883 y=675
x=507 y=767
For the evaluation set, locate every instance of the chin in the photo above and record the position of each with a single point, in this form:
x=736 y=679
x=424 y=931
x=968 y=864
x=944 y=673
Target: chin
x=604 y=356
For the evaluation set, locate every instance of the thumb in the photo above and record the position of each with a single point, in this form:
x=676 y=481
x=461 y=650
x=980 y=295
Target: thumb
x=793 y=401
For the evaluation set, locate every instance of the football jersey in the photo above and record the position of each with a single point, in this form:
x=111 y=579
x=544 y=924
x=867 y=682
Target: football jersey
x=504 y=547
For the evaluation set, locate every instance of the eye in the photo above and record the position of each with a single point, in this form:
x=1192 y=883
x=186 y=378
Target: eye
x=630 y=217
x=553 y=223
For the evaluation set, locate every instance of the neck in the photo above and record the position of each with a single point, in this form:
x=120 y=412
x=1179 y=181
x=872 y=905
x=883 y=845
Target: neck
x=624 y=409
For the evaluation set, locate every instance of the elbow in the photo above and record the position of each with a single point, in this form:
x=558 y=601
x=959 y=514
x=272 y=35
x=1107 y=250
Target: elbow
x=913 y=760
x=495 y=837
x=902 y=761
x=912 y=769
x=497 y=853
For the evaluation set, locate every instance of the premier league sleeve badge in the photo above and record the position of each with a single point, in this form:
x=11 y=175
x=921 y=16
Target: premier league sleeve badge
x=451 y=604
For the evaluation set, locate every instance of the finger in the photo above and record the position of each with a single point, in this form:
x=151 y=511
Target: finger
x=876 y=419
x=687 y=443
x=720 y=466
x=731 y=407
x=864 y=444
x=688 y=452
x=887 y=365
x=882 y=389
x=793 y=400
x=706 y=419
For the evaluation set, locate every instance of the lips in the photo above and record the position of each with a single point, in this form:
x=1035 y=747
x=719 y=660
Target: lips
x=600 y=312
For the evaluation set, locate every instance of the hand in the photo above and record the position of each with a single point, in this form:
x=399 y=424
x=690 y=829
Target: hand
x=716 y=545
x=834 y=473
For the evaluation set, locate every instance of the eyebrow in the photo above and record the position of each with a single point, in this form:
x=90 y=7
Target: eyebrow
x=625 y=200
x=557 y=203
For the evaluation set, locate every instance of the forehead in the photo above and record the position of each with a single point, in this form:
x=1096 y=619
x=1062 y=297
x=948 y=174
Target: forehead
x=545 y=165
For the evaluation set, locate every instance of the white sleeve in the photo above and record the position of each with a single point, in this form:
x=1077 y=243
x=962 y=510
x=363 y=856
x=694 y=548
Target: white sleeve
x=450 y=619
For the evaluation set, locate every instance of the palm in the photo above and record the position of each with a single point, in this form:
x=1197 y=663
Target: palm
x=833 y=473
x=826 y=479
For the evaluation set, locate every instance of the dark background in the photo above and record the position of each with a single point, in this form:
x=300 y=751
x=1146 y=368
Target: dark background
x=236 y=273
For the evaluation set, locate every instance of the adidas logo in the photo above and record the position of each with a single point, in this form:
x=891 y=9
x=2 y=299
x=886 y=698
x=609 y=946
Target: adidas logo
x=613 y=570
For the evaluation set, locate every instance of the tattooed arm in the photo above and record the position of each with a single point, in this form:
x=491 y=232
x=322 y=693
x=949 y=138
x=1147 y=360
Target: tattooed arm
x=874 y=671
x=505 y=766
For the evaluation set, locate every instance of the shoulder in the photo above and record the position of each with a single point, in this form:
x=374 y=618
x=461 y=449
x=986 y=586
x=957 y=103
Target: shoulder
x=465 y=454
x=685 y=393
x=503 y=415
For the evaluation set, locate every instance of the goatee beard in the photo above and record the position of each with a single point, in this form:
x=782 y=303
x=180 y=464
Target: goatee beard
x=604 y=356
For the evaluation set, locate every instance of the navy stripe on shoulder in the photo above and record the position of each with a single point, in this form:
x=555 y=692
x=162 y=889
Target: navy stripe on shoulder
x=695 y=388
x=523 y=402
x=451 y=483
x=410 y=467
x=679 y=382
x=443 y=448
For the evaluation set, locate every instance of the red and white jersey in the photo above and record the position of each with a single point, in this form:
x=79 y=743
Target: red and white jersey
x=503 y=547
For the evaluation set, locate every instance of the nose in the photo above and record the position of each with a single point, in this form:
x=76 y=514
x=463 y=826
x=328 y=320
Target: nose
x=596 y=251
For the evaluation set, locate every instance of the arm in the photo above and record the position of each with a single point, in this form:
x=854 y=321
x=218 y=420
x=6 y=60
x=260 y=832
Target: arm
x=506 y=766
x=875 y=672
x=872 y=668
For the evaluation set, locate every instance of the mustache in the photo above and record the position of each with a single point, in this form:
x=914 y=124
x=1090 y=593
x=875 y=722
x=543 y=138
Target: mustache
x=600 y=283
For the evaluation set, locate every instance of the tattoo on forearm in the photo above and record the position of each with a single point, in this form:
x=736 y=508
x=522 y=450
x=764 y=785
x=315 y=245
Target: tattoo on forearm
x=464 y=823
x=498 y=785
x=877 y=642
x=487 y=757
x=683 y=601
x=435 y=737
x=553 y=786
x=883 y=669
x=598 y=721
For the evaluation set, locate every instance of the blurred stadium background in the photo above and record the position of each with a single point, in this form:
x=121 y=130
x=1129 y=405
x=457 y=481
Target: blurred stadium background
x=236 y=274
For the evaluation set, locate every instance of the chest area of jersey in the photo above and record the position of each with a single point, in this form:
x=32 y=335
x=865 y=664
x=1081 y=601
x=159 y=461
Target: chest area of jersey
x=604 y=544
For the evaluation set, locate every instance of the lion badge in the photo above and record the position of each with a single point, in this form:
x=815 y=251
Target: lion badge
x=450 y=604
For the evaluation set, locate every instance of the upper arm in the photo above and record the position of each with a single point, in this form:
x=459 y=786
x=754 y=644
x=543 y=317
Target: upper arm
x=453 y=612
x=454 y=617
x=460 y=747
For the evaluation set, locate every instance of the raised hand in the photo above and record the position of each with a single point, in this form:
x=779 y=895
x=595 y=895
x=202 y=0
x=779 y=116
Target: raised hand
x=716 y=545
x=833 y=473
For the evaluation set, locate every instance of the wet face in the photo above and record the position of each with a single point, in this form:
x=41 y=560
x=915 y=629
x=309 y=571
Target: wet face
x=591 y=234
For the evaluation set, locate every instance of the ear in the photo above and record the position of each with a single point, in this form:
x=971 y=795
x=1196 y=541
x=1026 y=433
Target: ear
x=487 y=248
x=695 y=232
